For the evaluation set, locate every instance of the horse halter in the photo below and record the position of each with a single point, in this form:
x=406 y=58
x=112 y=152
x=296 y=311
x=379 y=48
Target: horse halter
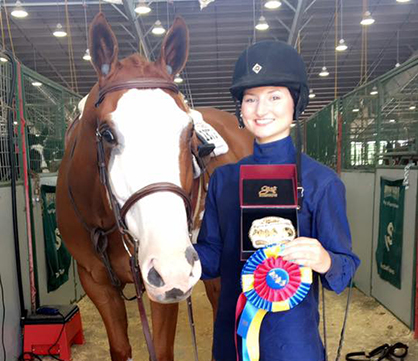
x=120 y=213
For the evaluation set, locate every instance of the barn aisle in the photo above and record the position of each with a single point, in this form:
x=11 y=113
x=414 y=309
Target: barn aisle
x=369 y=326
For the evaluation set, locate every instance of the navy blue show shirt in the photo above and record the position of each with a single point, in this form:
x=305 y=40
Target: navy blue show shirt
x=290 y=335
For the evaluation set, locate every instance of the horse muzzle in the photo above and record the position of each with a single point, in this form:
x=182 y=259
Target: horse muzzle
x=171 y=280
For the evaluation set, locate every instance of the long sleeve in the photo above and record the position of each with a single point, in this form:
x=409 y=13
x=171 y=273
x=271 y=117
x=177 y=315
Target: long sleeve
x=209 y=242
x=333 y=232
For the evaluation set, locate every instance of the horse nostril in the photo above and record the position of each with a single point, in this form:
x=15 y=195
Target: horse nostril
x=191 y=255
x=174 y=294
x=154 y=278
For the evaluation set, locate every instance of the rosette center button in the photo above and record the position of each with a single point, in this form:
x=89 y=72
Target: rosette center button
x=277 y=278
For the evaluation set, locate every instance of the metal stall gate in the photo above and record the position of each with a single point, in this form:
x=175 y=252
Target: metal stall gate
x=371 y=133
x=37 y=120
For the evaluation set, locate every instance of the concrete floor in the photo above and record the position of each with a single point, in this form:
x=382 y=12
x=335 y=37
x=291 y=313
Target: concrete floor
x=369 y=325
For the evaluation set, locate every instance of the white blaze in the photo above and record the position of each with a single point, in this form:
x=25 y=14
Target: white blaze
x=148 y=126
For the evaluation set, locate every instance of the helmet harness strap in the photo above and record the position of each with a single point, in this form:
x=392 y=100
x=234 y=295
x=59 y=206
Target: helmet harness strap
x=241 y=124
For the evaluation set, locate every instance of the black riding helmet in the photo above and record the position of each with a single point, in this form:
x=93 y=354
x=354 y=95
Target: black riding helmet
x=272 y=63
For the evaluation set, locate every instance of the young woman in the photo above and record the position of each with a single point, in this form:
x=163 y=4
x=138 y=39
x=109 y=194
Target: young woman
x=270 y=83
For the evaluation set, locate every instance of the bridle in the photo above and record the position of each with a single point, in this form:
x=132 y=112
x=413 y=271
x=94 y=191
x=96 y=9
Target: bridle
x=120 y=213
x=129 y=241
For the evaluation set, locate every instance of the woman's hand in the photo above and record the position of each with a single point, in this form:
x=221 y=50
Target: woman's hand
x=307 y=252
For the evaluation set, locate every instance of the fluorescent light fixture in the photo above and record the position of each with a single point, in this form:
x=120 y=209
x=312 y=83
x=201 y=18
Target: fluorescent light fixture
x=403 y=1
x=355 y=110
x=272 y=4
x=311 y=94
x=412 y=107
x=59 y=31
x=374 y=91
x=142 y=8
x=36 y=83
x=367 y=19
x=324 y=72
x=19 y=11
x=86 y=55
x=178 y=79
x=342 y=46
x=292 y=125
x=158 y=28
x=392 y=120
x=262 y=24
x=3 y=59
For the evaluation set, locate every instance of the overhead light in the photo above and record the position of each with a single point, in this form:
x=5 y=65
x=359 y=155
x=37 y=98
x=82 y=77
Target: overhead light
x=3 y=59
x=311 y=94
x=324 y=72
x=374 y=91
x=412 y=107
x=392 y=120
x=36 y=83
x=15 y=122
x=158 y=28
x=86 y=55
x=186 y=101
x=117 y=2
x=262 y=24
x=19 y=11
x=342 y=46
x=272 y=4
x=355 y=109
x=367 y=19
x=59 y=31
x=397 y=65
x=178 y=79
x=403 y=1
x=142 y=8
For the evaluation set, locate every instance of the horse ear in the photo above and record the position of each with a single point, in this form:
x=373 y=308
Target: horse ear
x=175 y=48
x=103 y=46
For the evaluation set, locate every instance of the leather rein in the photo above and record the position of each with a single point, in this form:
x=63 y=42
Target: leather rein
x=99 y=236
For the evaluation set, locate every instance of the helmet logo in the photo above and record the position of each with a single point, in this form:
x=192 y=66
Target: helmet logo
x=257 y=68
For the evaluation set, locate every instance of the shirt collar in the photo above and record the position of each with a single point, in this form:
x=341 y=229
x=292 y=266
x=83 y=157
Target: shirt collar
x=278 y=152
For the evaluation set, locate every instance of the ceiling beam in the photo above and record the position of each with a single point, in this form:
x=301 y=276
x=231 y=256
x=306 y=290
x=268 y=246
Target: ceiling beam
x=297 y=20
x=138 y=33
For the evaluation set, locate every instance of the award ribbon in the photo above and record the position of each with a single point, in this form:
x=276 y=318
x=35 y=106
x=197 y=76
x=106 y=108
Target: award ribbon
x=269 y=284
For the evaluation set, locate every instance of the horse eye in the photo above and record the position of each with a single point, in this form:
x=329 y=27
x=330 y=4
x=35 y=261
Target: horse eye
x=108 y=136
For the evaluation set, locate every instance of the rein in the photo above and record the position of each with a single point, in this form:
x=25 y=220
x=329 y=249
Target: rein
x=99 y=236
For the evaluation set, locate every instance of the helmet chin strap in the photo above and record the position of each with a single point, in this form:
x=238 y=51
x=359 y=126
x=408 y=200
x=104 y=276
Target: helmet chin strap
x=241 y=124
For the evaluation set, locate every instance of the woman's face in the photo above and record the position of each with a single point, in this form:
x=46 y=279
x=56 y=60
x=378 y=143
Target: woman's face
x=267 y=112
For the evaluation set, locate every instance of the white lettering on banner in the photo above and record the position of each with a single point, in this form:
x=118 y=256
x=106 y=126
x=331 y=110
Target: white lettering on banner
x=390 y=204
x=387 y=268
x=388 y=236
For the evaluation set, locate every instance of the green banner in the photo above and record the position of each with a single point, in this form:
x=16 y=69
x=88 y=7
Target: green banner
x=389 y=246
x=58 y=259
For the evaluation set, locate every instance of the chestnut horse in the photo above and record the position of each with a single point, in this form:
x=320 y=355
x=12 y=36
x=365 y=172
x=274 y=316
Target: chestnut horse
x=136 y=119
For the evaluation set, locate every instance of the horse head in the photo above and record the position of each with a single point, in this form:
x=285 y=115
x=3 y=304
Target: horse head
x=146 y=135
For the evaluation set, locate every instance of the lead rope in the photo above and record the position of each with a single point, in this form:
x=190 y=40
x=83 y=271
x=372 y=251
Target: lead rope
x=341 y=342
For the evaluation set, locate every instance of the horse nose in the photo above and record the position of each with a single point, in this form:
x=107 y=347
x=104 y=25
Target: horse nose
x=174 y=294
x=154 y=278
x=191 y=255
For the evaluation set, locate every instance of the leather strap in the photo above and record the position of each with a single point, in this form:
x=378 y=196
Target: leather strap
x=140 y=83
x=154 y=188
